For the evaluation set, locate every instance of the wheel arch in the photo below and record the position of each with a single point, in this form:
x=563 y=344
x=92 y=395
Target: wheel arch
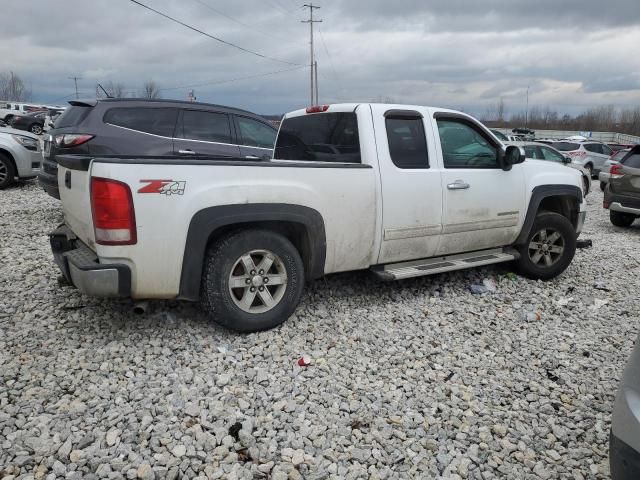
x=303 y=226
x=562 y=199
x=7 y=153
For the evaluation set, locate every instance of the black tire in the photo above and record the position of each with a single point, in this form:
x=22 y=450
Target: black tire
x=589 y=168
x=585 y=186
x=603 y=185
x=222 y=260
x=36 y=129
x=532 y=266
x=621 y=219
x=7 y=172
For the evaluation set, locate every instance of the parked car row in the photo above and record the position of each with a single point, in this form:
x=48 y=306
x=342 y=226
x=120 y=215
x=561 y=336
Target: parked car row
x=20 y=156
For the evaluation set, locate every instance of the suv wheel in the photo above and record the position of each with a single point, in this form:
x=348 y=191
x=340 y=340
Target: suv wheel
x=252 y=280
x=7 y=172
x=549 y=247
x=603 y=185
x=589 y=169
x=36 y=129
x=621 y=219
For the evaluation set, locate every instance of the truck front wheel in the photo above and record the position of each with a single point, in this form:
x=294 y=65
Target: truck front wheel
x=549 y=248
x=252 y=280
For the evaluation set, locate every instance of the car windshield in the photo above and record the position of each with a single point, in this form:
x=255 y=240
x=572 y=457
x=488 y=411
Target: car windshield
x=566 y=146
x=501 y=136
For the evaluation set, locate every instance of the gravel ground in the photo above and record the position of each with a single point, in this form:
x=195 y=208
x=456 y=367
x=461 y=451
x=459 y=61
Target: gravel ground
x=417 y=379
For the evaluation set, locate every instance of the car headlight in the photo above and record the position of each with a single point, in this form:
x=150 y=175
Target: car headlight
x=27 y=142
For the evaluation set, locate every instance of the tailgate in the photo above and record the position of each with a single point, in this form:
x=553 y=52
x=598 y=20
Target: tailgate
x=74 y=175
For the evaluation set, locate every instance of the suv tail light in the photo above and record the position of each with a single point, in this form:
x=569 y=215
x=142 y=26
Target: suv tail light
x=114 y=219
x=68 y=140
x=616 y=171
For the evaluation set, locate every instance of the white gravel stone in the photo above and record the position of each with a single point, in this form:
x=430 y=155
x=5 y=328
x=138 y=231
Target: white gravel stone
x=414 y=379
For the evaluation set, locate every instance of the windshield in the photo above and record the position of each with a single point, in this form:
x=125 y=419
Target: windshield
x=501 y=136
x=72 y=116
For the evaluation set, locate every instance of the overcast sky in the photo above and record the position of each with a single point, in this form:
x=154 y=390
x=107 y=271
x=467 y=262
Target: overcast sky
x=463 y=54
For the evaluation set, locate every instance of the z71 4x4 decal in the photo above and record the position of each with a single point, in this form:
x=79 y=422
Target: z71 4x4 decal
x=163 y=187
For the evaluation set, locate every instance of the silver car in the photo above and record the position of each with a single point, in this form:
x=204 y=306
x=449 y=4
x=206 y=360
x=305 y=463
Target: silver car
x=20 y=156
x=590 y=154
x=624 y=441
x=614 y=159
x=541 y=151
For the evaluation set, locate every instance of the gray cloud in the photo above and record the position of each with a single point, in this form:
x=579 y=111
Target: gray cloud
x=458 y=53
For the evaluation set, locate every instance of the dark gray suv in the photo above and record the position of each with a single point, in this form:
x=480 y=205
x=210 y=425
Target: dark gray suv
x=153 y=127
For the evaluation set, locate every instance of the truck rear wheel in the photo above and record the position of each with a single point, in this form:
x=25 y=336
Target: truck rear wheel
x=549 y=247
x=7 y=172
x=252 y=280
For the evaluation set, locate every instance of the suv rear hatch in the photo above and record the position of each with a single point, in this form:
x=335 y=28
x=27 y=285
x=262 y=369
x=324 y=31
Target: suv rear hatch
x=65 y=138
x=625 y=178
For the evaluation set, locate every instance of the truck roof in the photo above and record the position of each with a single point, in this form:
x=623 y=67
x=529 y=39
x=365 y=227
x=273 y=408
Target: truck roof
x=350 y=107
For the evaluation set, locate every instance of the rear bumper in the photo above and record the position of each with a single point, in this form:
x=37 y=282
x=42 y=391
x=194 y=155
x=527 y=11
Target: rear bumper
x=603 y=177
x=622 y=203
x=623 y=460
x=49 y=180
x=82 y=268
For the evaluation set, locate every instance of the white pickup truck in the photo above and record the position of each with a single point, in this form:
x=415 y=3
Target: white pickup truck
x=401 y=190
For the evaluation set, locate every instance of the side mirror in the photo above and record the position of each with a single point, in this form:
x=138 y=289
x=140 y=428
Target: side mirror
x=511 y=156
x=566 y=159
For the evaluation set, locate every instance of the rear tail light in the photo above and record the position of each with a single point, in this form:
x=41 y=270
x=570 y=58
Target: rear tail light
x=616 y=171
x=605 y=204
x=114 y=218
x=71 y=139
x=317 y=108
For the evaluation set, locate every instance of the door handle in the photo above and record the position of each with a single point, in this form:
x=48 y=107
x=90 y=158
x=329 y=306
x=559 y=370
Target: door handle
x=458 y=185
x=187 y=151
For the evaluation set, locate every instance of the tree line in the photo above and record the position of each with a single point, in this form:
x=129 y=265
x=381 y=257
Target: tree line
x=14 y=89
x=605 y=118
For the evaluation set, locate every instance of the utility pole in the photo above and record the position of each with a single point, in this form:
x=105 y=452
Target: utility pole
x=75 y=80
x=526 y=115
x=315 y=64
x=312 y=63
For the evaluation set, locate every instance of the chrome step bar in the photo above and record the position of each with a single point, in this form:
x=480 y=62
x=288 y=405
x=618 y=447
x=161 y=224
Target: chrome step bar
x=431 y=266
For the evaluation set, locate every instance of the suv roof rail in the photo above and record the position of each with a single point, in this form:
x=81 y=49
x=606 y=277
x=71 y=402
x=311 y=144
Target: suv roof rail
x=93 y=102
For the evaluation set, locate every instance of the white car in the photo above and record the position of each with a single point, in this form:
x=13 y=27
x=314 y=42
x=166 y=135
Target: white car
x=20 y=156
x=541 y=151
x=404 y=191
x=590 y=154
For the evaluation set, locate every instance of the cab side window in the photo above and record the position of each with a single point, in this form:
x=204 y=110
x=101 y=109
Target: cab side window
x=463 y=146
x=407 y=142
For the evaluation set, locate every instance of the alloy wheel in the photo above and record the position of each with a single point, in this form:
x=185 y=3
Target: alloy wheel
x=546 y=247
x=257 y=281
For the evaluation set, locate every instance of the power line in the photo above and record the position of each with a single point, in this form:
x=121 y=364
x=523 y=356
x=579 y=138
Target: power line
x=212 y=36
x=239 y=22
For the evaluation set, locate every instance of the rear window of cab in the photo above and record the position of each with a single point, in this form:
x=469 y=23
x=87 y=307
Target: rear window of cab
x=320 y=137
